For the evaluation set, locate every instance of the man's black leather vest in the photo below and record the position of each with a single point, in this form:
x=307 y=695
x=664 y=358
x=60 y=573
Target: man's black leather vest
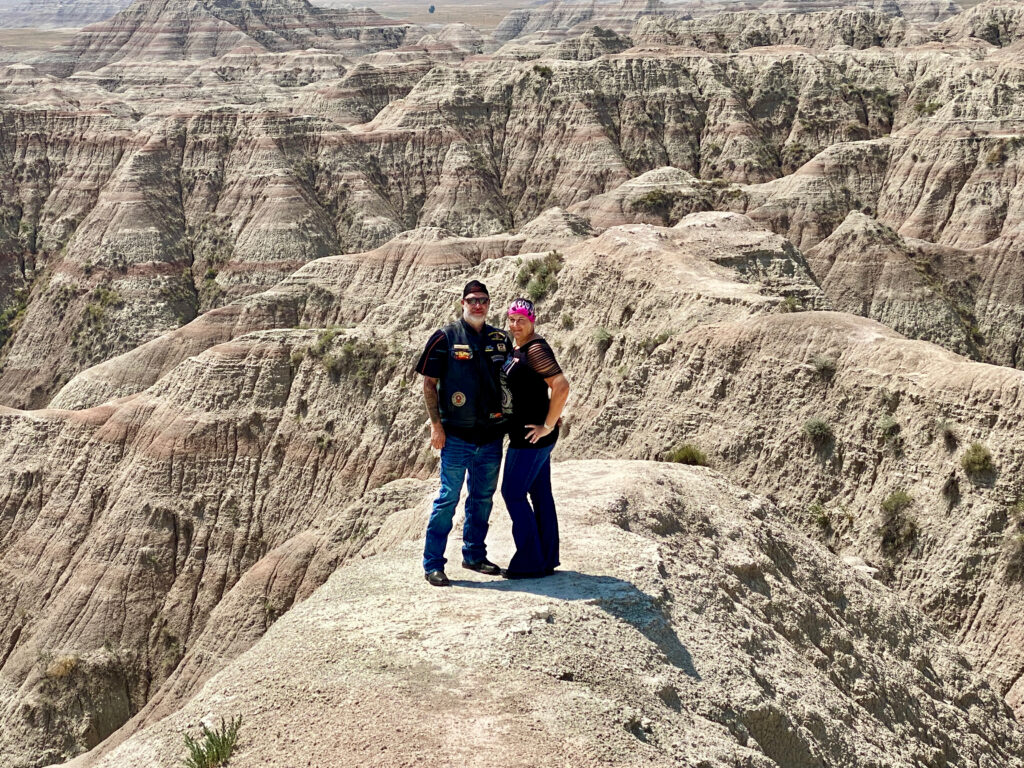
x=470 y=393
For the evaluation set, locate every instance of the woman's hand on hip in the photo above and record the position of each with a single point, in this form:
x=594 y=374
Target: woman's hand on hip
x=535 y=432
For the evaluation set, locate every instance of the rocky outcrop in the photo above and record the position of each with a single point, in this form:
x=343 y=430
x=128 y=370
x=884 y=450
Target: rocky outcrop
x=173 y=30
x=855 y=27
x=689 y=625
x=661 y=197
x=913 y=10
x=565 y=18
x=59 y=13
x=591 y=45
x=476 y=148
x=996 y=22
x=867 y=269
x=190 y=474
x=268 y=428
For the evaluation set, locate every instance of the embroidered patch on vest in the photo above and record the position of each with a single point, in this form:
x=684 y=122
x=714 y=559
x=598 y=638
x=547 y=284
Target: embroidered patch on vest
x=458 y=399
x=462 y=352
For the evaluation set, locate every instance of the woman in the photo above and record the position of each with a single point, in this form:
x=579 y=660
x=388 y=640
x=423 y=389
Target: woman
x=528 y=374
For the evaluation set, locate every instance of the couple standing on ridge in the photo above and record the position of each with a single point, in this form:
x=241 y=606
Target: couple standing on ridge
x=479 y=385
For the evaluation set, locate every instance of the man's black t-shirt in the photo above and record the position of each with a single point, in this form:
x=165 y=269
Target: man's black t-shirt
x=524 y=373
x=434 y=363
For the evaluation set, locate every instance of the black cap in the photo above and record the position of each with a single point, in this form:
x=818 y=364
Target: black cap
x=474 y=286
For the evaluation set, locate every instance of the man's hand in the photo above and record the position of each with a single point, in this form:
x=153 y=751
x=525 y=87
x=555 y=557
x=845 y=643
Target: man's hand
x=430 y=398
x=436 y=436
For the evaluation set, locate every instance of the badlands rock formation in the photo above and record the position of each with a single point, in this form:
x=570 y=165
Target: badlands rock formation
x=272 y=431
x=169 y=30
x=661 y=643
x=57 y=13
x=282 y=158
x=791 y=240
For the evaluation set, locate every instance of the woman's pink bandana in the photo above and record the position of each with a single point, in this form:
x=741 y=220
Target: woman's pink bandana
x=523 y=307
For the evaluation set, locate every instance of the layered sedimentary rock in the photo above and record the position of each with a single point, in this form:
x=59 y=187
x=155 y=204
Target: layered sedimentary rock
x=170 y=30
x=59 y=13
x=867 y=269
x=482 y=146
x=855 y=27
x=233 y=250
x=563 y=18
x=664 y=642
x=696 y=350
x=202 y=459
x=996 y=22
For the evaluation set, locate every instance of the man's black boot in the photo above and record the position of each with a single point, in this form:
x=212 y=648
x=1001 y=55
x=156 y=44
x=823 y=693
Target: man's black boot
x=437 y=578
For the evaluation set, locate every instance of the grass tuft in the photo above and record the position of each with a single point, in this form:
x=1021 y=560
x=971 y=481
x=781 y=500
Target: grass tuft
x=538 y=276
x=688 y=454
x=603 y=339
x=62 y=667
x=977 y=460
x=898 y=529
x=818 y=430
x=824 y=366
x=214 y=747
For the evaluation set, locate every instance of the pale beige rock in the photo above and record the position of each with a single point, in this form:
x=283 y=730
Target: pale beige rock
x=689 y=625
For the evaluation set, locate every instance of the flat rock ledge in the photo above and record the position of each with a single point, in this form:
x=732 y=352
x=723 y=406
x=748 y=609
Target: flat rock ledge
x=688 y=625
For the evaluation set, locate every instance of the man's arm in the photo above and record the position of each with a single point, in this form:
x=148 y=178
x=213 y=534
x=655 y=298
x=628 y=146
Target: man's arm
x=437 y=435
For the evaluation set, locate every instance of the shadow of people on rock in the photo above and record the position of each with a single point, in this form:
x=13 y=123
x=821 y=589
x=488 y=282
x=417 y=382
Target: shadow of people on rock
x=617 y=597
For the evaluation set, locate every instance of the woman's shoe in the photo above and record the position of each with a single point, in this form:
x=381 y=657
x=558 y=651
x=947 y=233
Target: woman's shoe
x=506 y=574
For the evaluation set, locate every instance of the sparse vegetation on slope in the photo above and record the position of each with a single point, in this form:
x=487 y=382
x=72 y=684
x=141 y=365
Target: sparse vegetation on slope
x=977 y=460
x=214 y=748
x=539 y=276
x=688 y=454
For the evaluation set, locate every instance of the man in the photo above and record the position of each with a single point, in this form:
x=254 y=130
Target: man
x=461 y=368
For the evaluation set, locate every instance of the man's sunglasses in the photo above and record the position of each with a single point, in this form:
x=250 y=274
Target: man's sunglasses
x=474 y=300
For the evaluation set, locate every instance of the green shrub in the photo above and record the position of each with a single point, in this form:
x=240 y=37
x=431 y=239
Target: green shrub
x=946 y=431
x=657 y=202
x=926 y=108
x=567 y=322
x=818 y=430
x=897 y=502
x=820 y=515
x=10 y=318
x=523 y=276
x=323 y=342
x=538 y=288
x=215 y=747
x=652 y=343
x=888 y=427
x=333 y=365
x=106 y=297
x=977 y=460
x=603 y=339
x=543 y=70
x=538 y=275
x=790 y=304
x=824 y=366
x=898 y=529
x=688 y=453
x=1017 y=510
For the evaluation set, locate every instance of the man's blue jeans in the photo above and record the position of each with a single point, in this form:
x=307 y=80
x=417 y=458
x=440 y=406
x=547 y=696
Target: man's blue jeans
x=534 y=529
x=482 y=463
